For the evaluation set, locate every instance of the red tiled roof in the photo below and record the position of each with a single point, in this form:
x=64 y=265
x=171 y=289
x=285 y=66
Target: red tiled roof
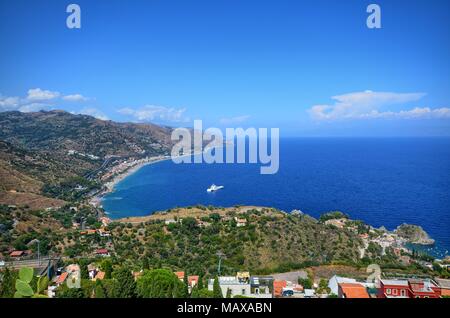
x=16 y=253
x=101 y=251
x=278 y=286
x=100 y=275
x=180 y=275
x=193 y=280
x=351 y=290
x=62 y=278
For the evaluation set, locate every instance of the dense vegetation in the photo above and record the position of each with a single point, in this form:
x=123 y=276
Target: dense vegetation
x=270 y=241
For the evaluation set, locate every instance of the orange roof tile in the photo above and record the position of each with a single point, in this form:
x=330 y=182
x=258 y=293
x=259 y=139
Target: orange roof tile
x=180 y=275
x=16 y=253
x=193 y=280
x=351 y=290
x=100 y=275
x=62 y=278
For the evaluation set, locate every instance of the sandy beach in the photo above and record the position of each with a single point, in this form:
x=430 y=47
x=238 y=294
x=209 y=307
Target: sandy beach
x=127 y=171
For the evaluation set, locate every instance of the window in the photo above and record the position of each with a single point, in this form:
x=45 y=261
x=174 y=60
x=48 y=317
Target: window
x=388 y=291
x=394 y=291
x=403 y=292
x=243 y=291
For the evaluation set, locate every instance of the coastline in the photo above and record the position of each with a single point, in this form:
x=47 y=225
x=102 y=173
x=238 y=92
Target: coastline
x=109 y=186
x=130 y=169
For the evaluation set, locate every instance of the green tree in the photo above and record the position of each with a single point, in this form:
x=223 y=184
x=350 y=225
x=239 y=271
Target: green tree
x=217 y=291
x=107 y=268
x=126 y=284
x=159 y=283
x=200 y=282
x=64 y=291
x=99 y=289
x=185 y=292
x=205 y=293
x=305 y=282
x=145 y=264
x=194 y=292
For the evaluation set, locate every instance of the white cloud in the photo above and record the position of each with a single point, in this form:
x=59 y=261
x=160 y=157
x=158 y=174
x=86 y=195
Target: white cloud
x=38 y=99
x=37 y=94
x=366 y=105
x=156 y=113
x=9 y=103
x=94 y=112
x=34 y=107
x=234 y=120
x=75 y=98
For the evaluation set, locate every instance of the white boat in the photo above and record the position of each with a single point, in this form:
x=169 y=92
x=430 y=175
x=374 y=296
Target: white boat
x=214 y=188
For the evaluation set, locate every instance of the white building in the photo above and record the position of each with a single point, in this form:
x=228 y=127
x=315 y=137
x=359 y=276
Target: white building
x=237 y=287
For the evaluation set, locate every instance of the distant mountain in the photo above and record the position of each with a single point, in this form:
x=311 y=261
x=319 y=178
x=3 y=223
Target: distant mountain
x=45 y=148
x=60 y=131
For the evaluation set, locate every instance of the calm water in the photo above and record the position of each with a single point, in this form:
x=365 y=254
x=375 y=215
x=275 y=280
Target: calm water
x=381 y=181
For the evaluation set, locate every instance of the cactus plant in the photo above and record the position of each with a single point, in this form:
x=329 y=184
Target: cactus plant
x=23 y=288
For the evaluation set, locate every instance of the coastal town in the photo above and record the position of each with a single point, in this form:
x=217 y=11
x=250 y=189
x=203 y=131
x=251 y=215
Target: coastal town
x=98 y=265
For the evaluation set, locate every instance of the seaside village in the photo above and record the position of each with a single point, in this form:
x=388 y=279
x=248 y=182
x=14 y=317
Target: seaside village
x=245 y=285
x=297 y=284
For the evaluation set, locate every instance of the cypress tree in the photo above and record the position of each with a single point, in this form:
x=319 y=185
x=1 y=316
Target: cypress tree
x=186 y=285
x=217 y=291
x=126 y=284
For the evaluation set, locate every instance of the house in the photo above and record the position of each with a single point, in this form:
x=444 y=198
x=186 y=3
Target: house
x=180 y=275
x=352 y=290
x=88 y=232
x=240 y=222
x=244 y=285
x=16 y=254
x=412 y=288
x=393 y=288
x=105 y=221
x=333 y=283
x=102 y=252
x=364 y=236
x=261 y=286
x=193 y=281
x=61 y=278
x=278 y=286
x=424 y=288
x=232 y=283
x=444 y=285
x=169 y=221
x=103 y=233
x=100 y=276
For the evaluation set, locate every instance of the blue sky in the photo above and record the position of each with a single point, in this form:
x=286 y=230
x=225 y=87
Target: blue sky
x=312 y=68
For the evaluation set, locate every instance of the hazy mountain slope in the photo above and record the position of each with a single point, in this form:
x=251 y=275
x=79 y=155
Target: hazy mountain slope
x=61 y=131
x=46 y=148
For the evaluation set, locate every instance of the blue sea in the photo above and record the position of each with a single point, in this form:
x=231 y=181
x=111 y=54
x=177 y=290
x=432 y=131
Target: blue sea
x=382 y=181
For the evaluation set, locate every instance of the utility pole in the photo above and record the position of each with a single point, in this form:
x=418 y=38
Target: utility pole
x=220 y=255
x=39 y=252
